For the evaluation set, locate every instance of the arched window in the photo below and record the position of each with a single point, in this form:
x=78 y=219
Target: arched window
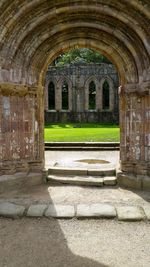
x=65 y=96
x=92 y=96
x=51 y=96
x=105 y=95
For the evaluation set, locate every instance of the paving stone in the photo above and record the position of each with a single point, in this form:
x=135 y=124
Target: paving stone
x=147 y=211
x=60 y=211
x=36 y=210
x=95 y=211
x=110 y=180
x=11 y=210
x=130 y=213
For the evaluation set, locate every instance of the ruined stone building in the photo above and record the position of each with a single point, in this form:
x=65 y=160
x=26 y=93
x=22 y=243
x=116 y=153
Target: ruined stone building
x=34 y=33
x=82 y=93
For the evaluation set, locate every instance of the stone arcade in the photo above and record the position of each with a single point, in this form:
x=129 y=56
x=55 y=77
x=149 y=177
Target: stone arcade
x=92 y=93
x=32 y=34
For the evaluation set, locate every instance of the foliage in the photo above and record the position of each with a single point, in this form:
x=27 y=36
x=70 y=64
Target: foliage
x=80 y=55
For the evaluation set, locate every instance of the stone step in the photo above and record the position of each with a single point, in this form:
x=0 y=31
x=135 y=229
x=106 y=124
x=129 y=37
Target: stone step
x=83 y=180
x=92 y=144
x=82 y=145
x=79 y=148
x=82 y=171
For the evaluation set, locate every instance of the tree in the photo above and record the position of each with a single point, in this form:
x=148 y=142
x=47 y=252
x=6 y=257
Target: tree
x=80 y=55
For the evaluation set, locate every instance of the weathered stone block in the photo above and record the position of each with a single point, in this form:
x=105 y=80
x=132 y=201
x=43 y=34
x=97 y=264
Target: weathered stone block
x=95 y=211
x=146 y=183
x=147 y=211
x=11 y=210
x=36 y=210
x=60 y=211
x=129 y=181
x=130 y=213
x=110 y=180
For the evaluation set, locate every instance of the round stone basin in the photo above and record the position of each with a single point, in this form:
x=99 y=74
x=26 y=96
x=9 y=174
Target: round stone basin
x=93 y=161
x=85 y=163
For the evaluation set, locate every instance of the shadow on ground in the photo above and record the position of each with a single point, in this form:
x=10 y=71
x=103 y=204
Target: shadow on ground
x=30 y=242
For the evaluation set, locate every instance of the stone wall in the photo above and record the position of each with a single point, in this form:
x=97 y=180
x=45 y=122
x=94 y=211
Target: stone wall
x=78 y=78
x=20 y=145
x=34 y=33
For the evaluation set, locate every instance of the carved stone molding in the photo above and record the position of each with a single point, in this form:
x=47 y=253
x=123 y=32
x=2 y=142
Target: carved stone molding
x=9 y=89
x=140 y=88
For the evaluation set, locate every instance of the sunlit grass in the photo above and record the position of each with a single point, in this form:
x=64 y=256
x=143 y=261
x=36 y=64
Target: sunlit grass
x=86 y=132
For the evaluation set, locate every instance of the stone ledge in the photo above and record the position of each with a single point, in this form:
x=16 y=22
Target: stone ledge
x=81 y=171
x=18 y=180
x=133 y=181
x=67 y=171
x=9 y=89
x=110 y=181
x=80 y=211
x=129 y=181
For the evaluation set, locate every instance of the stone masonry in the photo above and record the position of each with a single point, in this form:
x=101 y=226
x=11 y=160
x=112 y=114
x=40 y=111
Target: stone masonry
x=32 y=34
x=78 y=77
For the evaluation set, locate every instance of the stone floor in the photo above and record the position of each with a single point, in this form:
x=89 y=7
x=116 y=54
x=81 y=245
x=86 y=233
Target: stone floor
x=69 y=158
x=67 y=194
x=54 y=194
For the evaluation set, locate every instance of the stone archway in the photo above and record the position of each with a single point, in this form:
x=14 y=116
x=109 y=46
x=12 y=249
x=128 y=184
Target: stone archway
x=33 y=34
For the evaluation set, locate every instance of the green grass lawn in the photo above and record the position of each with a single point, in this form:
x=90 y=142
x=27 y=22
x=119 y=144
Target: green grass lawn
x=83 y=132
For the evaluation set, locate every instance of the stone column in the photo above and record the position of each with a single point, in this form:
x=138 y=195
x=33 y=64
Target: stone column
x=86 y=98
x=70 y=97
x=99 y=98
x=21 y=129
x=111 y=98
x=135 y=139
x=58 y=98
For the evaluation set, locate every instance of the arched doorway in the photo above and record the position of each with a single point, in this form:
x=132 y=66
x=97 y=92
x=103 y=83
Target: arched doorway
x=25 y=56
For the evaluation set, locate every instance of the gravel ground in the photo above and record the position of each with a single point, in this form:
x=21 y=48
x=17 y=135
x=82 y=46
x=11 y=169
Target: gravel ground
x=73 y=195
x=65 y=243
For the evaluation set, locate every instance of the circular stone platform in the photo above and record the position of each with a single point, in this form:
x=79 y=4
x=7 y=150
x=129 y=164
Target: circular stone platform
x=91 y=163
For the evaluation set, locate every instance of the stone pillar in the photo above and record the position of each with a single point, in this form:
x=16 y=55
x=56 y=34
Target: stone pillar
x=135 y=139
x=21 y=129
x=79 y=99
x=100 y=97
x=86 y=98
x=70 y=97
x=58 y=98
x=111 y=98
